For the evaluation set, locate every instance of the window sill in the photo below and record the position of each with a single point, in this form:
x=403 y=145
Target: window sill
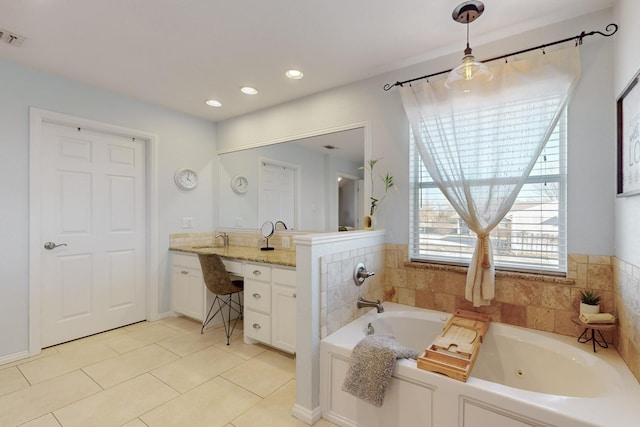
x=499 y=273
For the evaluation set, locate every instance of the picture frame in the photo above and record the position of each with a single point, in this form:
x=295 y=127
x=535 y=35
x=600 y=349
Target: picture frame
x=628 y=121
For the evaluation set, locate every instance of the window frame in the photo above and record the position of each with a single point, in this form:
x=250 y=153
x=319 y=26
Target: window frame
x=415 y=163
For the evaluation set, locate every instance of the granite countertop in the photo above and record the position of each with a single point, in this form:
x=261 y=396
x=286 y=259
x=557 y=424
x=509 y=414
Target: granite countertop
x=277 y=256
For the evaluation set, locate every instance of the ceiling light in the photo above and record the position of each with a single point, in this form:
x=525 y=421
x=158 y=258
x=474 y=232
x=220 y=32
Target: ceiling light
x=470 y=69
x=214 y=103
x=294 y=74
x=248 y=90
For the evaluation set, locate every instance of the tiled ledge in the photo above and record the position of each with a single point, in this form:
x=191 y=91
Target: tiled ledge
x=499 y=273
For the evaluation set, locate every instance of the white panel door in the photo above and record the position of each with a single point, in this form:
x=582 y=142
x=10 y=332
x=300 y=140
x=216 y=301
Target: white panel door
x=277 y=190
x=93 y=206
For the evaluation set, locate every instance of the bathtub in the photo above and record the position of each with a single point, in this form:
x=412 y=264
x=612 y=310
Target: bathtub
x=521 y=378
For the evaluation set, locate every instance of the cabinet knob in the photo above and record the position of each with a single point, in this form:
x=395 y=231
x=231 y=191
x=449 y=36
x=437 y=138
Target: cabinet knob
x=184 y=272
x=294 y=295
x=257 y=326
x=256 y=272
x=257 y=296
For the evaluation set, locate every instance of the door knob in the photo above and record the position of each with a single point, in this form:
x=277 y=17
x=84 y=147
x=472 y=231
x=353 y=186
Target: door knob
x=50 y=245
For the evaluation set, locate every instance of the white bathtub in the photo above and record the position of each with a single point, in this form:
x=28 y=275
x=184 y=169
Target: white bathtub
x=521 y=378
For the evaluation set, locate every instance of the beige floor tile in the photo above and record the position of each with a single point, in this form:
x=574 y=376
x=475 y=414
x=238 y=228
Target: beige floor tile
x=185 y=344
x=197 y=368
x=211 y=404
x=239 y=348
x=64 y=362
x=263 y=374
x=44 y=421
x=117 y=405
x=46 y=352
x=40 y=399
x=182 y=324
x=275 y=411
x=135 y=423
x=140 y=335
x=126 y=366
x=11 y=380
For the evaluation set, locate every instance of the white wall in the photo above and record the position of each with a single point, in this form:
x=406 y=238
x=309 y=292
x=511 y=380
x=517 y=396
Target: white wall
x=627 y=63
x=183 y=141
x=591 y=131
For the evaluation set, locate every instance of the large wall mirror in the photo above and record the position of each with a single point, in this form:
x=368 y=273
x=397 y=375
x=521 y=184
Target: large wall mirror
x=311 y=184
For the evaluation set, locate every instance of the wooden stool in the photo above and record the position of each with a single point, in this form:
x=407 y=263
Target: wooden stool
x=584 y=337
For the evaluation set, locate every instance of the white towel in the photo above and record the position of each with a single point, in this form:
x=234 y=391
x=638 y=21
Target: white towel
x=597 y=318
x=372 y=363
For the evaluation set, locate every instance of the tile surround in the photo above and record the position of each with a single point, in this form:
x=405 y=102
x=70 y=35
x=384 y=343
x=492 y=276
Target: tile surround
x=338 y=293
x=627 y=310
x=534 y=301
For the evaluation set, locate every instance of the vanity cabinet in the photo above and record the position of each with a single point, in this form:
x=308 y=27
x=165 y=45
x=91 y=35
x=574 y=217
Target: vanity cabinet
x=269 y=306
x=269 y=298
x=187 y=286
x=283 y=310
x=189 y=295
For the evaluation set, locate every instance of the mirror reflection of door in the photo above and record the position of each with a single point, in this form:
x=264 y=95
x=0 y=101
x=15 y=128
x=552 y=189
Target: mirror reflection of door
x=277 y=190
x=350 y=203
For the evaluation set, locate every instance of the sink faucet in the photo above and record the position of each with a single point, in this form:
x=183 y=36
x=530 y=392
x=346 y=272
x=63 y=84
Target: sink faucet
x=364 y=303
x=225 y=239
x=281 y=222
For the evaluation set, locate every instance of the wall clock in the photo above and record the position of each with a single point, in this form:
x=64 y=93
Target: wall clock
x=239 y=184
x=186 y=179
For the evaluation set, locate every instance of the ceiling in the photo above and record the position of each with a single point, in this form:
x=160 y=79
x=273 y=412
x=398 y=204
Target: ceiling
x=178 y=53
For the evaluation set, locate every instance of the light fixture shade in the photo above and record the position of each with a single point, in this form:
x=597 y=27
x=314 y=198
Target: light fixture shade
x=468 y=70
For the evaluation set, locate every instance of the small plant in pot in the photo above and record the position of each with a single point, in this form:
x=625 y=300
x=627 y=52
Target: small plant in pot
x=589 y=302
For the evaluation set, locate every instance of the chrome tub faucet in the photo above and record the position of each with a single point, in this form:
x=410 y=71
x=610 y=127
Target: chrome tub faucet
x=362 y=303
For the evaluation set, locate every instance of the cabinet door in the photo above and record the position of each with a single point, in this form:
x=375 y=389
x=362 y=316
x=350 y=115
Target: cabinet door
x=283 y=318
x=187 y=291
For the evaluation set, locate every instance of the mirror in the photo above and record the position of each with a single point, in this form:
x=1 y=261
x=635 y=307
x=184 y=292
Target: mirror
x=296 y=182
x=267 y=230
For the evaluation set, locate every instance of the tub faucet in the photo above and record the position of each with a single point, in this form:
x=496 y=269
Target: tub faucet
x=225 y=239
x=364 y=303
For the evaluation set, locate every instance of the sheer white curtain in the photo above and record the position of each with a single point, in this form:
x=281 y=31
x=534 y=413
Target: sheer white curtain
x=480 y=142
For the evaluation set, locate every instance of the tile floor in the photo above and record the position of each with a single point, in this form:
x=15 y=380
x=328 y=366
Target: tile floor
x=162 y=373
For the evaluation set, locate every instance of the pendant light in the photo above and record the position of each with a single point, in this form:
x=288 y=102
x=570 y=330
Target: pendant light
x=469 y=69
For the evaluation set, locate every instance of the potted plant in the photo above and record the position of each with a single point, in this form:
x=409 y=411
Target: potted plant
x=589 y=302
x=369 y=220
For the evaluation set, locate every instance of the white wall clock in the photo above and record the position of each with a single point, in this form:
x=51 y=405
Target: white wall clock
x=186 y=179
x=239 y=184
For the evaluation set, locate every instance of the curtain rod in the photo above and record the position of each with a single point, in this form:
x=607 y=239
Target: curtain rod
x=578 y=39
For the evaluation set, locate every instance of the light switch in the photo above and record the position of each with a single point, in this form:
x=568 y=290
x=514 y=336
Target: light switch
x=187 y=222
x=286 y=242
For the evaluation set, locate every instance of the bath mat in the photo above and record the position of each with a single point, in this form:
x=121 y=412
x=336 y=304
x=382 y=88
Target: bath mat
x=372 y=363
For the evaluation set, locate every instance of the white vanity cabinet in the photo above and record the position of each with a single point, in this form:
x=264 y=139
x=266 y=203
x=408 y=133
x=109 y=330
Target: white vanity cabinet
x=189 y=295
x=269 y=306
x=187 y=286
x=283 y=309
x=269 y=298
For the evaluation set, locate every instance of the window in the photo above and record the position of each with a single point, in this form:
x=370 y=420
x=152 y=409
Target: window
x=531 y=237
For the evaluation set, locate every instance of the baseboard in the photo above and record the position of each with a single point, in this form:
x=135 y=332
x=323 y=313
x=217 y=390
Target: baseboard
x=305 y=415
x=13 y=357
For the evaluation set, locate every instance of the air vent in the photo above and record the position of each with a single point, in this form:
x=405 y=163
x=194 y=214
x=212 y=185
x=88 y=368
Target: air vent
x=11 y=38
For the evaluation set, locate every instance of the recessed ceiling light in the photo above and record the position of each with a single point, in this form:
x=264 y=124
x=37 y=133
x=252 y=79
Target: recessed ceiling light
x=248 y=90
x=294 y=74
x=214 y=103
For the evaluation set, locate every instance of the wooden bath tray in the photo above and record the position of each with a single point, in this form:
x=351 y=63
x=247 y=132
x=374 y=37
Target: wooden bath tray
x=455 y=350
